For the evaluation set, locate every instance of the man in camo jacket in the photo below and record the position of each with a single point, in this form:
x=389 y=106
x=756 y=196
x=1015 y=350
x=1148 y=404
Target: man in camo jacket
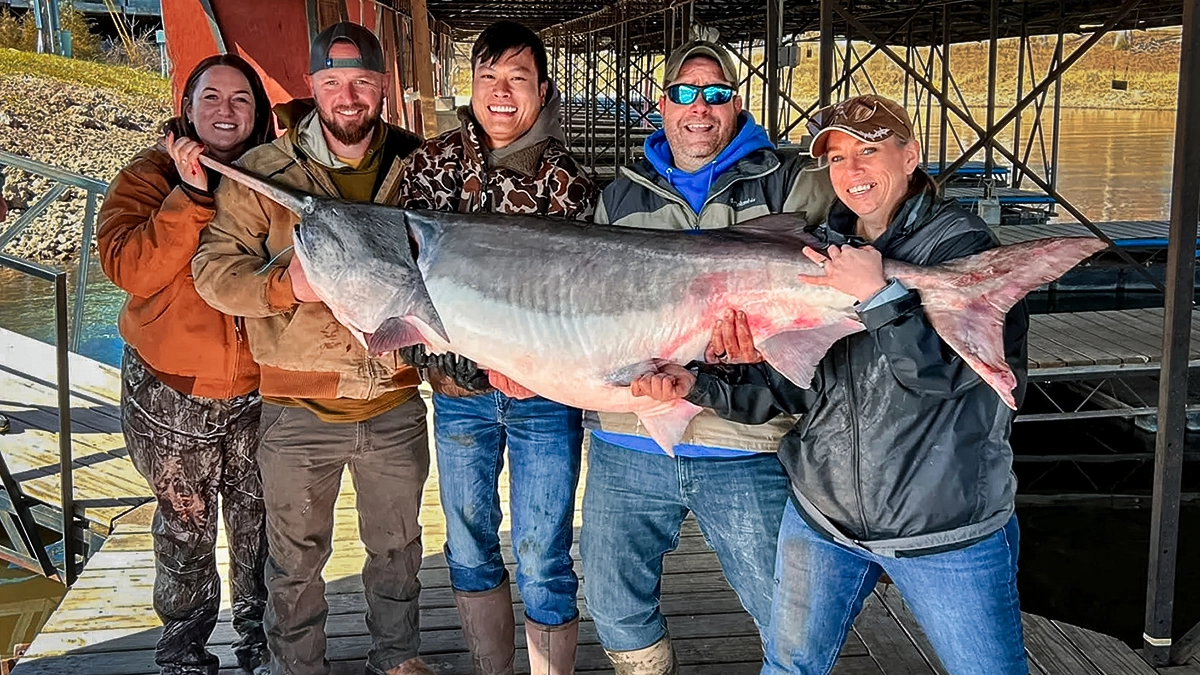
x=507 y=156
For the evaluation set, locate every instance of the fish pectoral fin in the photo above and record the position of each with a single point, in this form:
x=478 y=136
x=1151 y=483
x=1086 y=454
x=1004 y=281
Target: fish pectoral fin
x=393 y=334
x=795 y=353
x=623 y=377
x=666 y=423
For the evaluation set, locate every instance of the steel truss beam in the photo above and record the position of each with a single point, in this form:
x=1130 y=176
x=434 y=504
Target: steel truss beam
x=988 y=137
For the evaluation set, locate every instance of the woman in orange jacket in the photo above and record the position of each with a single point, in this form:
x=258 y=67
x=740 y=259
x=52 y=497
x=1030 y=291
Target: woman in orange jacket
x=189 y=401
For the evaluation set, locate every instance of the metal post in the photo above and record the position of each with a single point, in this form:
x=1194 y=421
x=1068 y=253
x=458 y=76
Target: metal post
x=65 y=464
x=1177 y=333
x=1022 y=45
x=928 y=121
x=81 y=274
x=422 y=67
x=1058 y=59
x=847 y=75
x=773 y=41
x=908 y=50
x=993 y=37
x=590 y=99
x=622 y=108
x=945 y=127
x=669 y=30
x=40 y=26
x=825 y=54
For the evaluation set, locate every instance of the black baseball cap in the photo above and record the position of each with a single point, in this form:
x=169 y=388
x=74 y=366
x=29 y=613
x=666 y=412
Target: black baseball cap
x=370 y=53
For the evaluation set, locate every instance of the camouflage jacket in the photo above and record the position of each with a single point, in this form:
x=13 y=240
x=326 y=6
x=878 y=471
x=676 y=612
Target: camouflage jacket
x=452 y=172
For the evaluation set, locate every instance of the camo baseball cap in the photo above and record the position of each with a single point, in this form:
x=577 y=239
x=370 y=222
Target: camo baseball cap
x=869 y=118
x=699 y=48
x=370 y=53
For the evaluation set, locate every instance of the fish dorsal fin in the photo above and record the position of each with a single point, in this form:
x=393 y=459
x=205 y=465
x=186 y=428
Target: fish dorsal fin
x=795 y=353
x=788 y=227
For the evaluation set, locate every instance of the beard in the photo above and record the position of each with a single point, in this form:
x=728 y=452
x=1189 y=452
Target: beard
x=350 y=133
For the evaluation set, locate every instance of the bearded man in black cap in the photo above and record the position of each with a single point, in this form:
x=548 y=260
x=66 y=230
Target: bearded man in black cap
x=327 y=403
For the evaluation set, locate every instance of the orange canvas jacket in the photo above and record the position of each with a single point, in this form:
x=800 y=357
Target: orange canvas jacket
x=149 y=231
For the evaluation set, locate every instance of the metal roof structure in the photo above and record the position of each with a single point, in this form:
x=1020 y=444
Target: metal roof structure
x=733 y=18
x=467 y=17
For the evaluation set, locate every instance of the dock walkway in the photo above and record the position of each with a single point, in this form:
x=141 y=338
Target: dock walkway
x=106 y=484
x=106 y=625
x=1125 y=233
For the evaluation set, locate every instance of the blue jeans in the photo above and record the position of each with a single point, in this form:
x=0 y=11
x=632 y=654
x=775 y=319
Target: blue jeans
x=965 y=600
x=633 y=507
x=544 y=442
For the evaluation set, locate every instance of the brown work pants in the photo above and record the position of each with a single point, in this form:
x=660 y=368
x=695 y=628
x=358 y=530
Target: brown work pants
x=301 y=459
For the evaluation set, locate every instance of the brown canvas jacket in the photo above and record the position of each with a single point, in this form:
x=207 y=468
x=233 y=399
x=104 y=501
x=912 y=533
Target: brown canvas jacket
x=241 y=268
x=149 y=230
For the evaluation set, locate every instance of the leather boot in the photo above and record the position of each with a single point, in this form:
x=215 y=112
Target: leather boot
x=411 y=667
x=551 y=648
x=657 y=659
x=488 y=626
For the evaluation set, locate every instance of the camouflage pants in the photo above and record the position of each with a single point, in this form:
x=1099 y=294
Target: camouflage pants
x=191 y=450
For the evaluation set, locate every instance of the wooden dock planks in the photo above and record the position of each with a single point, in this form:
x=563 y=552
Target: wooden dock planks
x=969 y=196
x=106 y=625
x=106 y=483
x=1100 y=342
x=1118 y=230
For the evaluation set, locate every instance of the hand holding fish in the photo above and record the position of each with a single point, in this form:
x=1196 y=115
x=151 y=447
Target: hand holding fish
x=300 y=287
x=672 y=381
x=508 y=387
x=853 y=271
x=186 y=154
x=731 y=341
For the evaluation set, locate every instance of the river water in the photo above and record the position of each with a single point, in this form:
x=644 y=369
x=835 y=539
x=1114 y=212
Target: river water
x=1081 y=564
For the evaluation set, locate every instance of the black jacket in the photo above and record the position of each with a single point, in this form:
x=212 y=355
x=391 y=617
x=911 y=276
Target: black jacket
x=900 y=448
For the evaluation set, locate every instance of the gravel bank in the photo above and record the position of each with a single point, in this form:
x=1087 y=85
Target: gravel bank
x=92 y=131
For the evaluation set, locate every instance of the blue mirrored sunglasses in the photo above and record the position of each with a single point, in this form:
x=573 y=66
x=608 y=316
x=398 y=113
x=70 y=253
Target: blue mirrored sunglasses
x=714 y=94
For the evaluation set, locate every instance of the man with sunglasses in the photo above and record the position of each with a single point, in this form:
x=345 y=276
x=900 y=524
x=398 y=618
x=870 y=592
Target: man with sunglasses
x=711 y=166
x=900 y=462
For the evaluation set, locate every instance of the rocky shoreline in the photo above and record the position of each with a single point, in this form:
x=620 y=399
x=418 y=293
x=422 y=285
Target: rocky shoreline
x=85 y=130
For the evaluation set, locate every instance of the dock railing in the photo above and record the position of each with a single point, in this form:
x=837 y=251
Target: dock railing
x=63 y=181
x=31 y=540
x=67 y=332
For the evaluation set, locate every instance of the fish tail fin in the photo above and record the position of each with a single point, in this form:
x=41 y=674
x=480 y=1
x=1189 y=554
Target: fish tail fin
x=966 y=300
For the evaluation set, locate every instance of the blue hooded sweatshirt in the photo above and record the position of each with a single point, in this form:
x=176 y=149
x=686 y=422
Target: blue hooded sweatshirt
x=695 y=186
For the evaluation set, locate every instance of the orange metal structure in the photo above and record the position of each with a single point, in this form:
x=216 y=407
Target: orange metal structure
x=273 y=35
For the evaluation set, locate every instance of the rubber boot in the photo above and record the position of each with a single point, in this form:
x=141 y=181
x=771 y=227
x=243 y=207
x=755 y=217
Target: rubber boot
x=551 y=648
x=488 y=626
x=657 y=659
